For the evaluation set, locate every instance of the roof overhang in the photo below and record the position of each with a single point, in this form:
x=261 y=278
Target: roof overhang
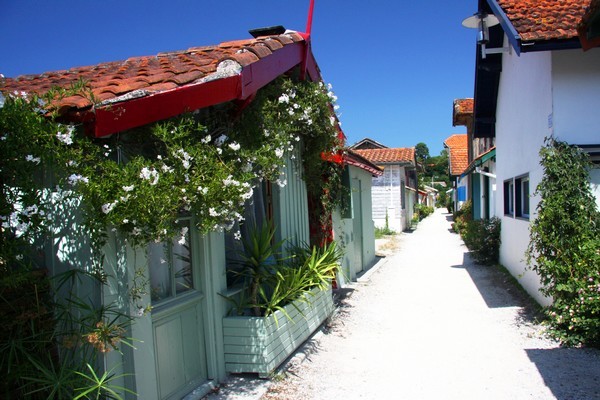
x=479 y=161
x=351 y=158
x=109 y=119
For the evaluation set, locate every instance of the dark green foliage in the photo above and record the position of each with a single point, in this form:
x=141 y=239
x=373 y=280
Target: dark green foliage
x=482 y=237
x=422 y=211
x=271 y=281
x=564 y=243
x=462 y=217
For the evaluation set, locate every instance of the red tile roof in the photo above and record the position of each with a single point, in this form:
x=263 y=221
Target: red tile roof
x=388 y=156
x=165 y=73
x=458 y=153
x=151 y=74
x=538 y=20
x=462 y=111
x=353 y=158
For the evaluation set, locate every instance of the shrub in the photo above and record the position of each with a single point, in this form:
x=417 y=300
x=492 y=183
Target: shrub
x=422 y=211
x=564 y=243
x=462 y=216
x=482 y=237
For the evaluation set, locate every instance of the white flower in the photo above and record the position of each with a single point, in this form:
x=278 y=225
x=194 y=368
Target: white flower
x=128 y=188
x=237 y=235
x=336 y=107
x=125 y=221
x=66 y=138
x=284 y=98
x=108 y=207
x=279 y=152
x=296 y=106
x=202 y=190
x=149 y=175
x=219 y=150
x=32 y=159
x=329 y=87
x=267 y=133
x=229 y=181
x=281 y=183
x=206 y=139
x=248 y=194
x=234 y=146
x=2 y=99
x=166 y=168
x=332 y=121
x=291 y=111
x=183 y=239
x=75 y=178
x=19 y=257
x=213 y=213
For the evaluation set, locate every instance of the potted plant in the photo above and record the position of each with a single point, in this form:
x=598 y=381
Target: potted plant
x=283 y=302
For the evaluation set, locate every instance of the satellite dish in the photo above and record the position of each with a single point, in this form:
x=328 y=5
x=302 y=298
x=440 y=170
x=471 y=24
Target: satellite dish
x=475 y=20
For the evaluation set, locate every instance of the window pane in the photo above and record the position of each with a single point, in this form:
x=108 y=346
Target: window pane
x=160 y=272
x=182 y=260
x=525 y=196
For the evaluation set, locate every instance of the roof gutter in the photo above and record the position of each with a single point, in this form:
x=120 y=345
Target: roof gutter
x=117 y=117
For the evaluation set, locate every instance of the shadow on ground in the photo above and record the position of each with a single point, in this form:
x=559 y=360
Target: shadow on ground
x=497 y=288
x=570 y=373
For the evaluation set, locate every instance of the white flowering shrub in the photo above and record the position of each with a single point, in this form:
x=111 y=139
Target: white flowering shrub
x=139 y=182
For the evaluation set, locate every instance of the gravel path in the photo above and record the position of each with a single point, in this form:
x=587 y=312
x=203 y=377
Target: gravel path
x=431 y=324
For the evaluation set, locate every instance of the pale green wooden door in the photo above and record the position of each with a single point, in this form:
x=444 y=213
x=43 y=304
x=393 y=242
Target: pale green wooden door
x=177 y=316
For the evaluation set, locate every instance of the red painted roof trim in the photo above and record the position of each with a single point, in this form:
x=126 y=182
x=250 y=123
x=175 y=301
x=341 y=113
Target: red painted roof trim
x=133 y=113
x=351 y=158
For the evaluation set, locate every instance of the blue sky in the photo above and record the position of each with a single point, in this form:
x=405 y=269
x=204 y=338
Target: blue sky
x=396 y=66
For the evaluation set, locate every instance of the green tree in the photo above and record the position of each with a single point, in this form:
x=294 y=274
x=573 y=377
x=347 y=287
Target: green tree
x=421 y=152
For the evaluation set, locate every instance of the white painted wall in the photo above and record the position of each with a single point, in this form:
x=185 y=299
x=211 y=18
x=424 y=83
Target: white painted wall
x=524 y=105
x=576 y=90
x=540 y=94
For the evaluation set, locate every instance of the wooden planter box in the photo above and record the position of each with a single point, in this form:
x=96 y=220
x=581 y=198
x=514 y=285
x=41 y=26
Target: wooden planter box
x=261 y=344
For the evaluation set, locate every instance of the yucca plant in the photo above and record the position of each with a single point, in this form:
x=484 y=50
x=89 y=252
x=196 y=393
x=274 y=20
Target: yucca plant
x=259 y=260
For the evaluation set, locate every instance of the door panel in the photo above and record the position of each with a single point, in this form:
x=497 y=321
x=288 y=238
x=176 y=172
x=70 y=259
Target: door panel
x=180 y=349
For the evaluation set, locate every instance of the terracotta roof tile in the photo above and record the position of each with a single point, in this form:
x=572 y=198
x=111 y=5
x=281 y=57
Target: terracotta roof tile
x=388 y=155
x=156 y=73
x=462 y=111
x=458 y=153
x=537 y=20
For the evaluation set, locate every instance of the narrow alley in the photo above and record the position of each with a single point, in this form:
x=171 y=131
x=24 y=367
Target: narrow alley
x=431 y=324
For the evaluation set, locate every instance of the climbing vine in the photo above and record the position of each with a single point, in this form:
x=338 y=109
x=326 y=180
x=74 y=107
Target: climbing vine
x=564 y=243
x=136 y=183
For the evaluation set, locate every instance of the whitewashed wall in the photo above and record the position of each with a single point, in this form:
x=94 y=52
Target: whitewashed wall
x=540 y=94
x=523 y=115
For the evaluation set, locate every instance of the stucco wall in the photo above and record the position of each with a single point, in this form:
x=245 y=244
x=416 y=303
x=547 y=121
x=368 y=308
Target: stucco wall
x=540 y=94
x=576 y=85
x=523 y=116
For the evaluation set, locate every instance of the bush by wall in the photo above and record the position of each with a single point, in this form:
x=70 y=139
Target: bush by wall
x=564 y=243
x=482 y=237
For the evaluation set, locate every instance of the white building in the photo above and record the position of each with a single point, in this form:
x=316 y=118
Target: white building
x=535 y=83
